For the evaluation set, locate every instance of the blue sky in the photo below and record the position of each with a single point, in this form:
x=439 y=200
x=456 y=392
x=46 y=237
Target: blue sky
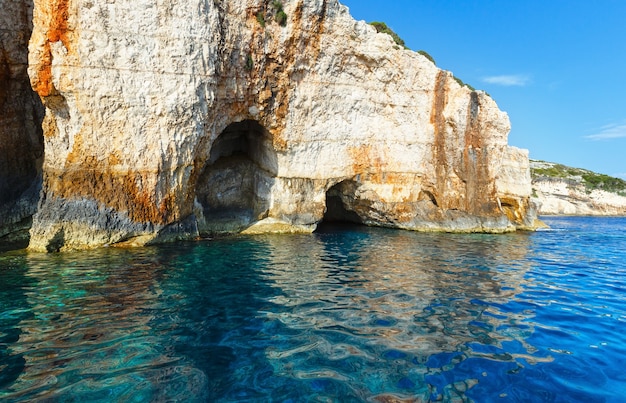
x=557 y=67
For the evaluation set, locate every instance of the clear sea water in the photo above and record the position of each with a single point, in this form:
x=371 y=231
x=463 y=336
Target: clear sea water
x=350 y=314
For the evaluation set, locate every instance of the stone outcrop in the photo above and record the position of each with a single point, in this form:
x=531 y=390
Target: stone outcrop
x=171 y=120
x=21 y=112
x=568 y=194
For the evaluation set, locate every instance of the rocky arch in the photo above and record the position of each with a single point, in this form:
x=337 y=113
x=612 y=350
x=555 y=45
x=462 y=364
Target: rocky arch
x=233 y=190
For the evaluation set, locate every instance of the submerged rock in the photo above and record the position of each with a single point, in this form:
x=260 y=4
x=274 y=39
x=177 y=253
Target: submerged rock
x=171 y=120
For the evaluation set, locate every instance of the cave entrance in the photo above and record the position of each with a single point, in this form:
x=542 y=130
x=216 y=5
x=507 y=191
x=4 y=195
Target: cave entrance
x=340 y=206
x=234 y=187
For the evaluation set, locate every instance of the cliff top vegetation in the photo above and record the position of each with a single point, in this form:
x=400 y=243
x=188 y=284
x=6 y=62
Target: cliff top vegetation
x=542 y=170
x=381 y=27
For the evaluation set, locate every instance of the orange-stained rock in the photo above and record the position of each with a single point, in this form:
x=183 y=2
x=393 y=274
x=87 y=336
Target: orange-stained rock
x=152 y=107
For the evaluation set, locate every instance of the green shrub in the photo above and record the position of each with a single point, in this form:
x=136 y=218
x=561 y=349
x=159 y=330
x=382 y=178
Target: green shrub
x=604 y=182
x=462 y=84
x=249 y=62
x=590 y=180
x=260 y=17
x=281 y=18
x=426 y=55
x=551 y=172
x=383 y=28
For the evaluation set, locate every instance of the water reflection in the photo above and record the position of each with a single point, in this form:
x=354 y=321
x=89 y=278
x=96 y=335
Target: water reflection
x=89 y=328
x=362 y=314
x=397 y=308
x=14 y=309
x=214 y=315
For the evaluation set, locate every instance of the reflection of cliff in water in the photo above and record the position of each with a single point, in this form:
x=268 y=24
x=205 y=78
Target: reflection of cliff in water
x=259 y=316
x=14 y=308
x=400 y=273
x=91 y=326
x=363 y=296
x=214 y=313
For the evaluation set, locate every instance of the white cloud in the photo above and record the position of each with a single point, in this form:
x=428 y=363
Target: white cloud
x=613 y=131
x=513 y=80
x=622 y=175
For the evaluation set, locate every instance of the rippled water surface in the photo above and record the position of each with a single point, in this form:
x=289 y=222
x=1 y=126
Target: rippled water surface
x=354 y=314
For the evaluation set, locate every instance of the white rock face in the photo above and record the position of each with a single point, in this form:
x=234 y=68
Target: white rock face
x=557 y=197
x=561 y=190
x=173 y=119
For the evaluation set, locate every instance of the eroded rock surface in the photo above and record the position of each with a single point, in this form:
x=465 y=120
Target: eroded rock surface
x=169 y=120
x=569 y=194
x=21 y=143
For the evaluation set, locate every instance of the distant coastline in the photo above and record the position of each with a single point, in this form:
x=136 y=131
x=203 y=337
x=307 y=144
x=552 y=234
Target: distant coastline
x=560 y=190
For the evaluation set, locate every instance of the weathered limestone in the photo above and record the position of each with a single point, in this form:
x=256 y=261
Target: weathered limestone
x=169 y=120
x=561 y=198
x=21 y=144
x=569 y=196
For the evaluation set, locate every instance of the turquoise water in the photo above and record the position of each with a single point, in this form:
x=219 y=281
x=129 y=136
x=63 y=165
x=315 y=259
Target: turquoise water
x=351 y=314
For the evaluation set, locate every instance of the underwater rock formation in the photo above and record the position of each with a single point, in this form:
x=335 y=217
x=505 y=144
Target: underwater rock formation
x=177 y=119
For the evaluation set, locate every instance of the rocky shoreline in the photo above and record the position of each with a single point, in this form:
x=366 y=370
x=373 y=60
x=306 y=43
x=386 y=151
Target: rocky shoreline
x=176 y=120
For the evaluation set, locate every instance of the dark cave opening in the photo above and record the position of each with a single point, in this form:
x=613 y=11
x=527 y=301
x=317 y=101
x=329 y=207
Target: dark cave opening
x=340 y=202
x=234 y=187
x=21 y=153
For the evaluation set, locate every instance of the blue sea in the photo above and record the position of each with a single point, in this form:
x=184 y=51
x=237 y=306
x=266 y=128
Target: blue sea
x=349 y=314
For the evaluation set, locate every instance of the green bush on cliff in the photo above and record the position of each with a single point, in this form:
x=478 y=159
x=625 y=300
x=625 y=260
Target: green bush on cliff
x=249 y=62
x=557 y=171
x=260 y=17
x=281 y=16
x=426 y=55
x=589 y=179
x=462 y=84
x=383 y=28
x=551 y=172
x=604 y=182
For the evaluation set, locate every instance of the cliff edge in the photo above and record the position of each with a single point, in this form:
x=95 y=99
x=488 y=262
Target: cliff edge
x=177 y=119
x=563 y=190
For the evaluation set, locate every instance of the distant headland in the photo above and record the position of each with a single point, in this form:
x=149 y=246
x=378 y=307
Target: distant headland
x=563 y=190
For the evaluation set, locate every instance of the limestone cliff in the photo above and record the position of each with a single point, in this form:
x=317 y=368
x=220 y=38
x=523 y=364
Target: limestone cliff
x=21 y=143
x=563 y=190
x=173 y=119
